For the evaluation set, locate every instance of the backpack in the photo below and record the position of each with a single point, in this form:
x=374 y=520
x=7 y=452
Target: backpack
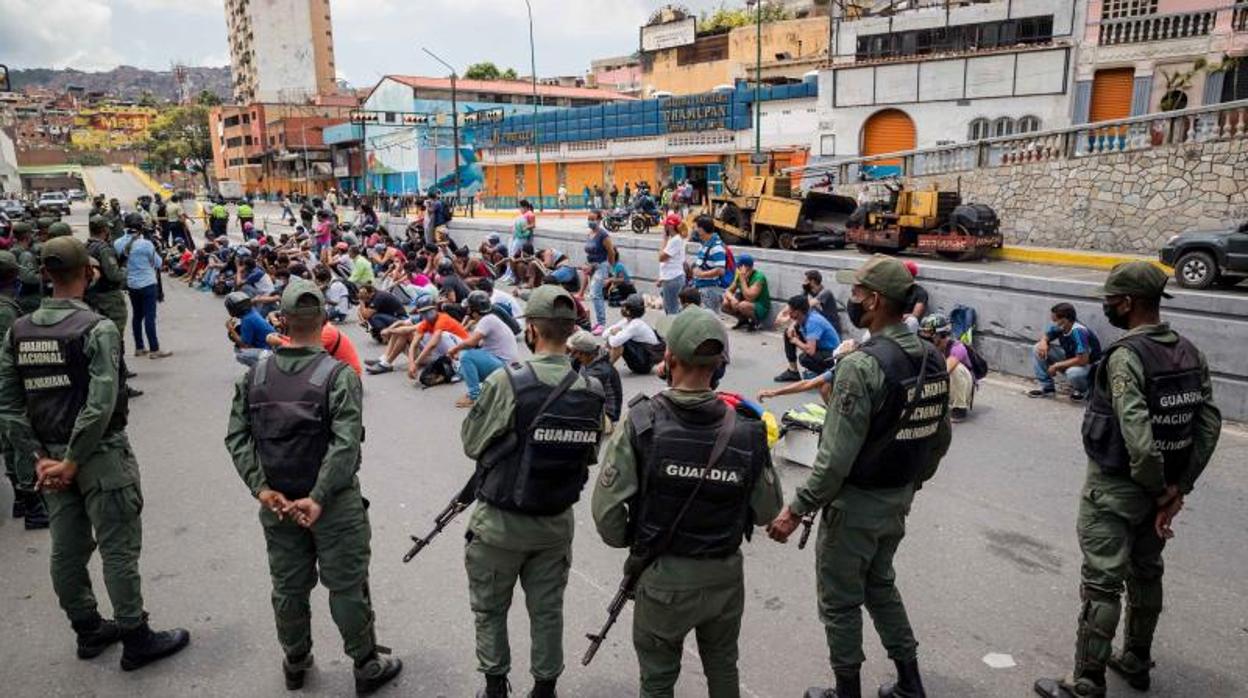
x=353 y=291
x=979 y=365
x=503 y=314
x=730 y=267
x=439 y=372
x=963 y=320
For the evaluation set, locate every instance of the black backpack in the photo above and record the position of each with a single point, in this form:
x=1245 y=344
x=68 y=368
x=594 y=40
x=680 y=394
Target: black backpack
x=979 y=366
x=439 y=372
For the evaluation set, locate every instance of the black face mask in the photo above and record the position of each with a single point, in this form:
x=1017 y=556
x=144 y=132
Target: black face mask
x=809 y=289
x=1116 y=318
x=855 y=311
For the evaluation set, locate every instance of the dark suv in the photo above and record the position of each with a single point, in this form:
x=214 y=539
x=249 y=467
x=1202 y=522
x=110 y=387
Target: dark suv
x=1202 y=259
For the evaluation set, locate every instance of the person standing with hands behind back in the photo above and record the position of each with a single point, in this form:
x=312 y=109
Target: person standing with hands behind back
x=879 y=445
x=62 y=396
x=295 y=429
x=1149 y=431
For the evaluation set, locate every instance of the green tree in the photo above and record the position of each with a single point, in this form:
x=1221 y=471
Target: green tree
x=510 y=74
x=482 y=71
x=207 y=98
x=725 y=20
x=180 y=138
x=147 y=99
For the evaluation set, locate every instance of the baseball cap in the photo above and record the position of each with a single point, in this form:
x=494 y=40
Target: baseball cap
x=59 y=229
x=97 y=223
x=1134 y=279
x=550 y=302
x=65 y=254
x=294 y=299
x=672 y=220
x=8 y=262
x=582 y=341
x=882 y=274
x=693 y=328
x=745 y=260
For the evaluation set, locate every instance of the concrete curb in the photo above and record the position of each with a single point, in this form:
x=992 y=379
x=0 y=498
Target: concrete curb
x=1083 y=259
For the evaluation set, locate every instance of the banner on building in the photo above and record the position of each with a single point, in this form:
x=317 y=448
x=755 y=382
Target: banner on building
x=657 y=37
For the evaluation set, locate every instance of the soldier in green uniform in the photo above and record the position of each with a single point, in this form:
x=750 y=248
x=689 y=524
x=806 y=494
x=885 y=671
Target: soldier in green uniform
x=31 y=289
x=533 y=433
x=1149 y=431
x=60 y=397
x=294 y=434
x=651 y=468
x=27 y=504
x=883 y=438
x=107 y=295
x=116 y=222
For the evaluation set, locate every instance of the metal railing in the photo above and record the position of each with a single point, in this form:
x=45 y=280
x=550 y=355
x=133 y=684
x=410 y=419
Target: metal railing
x=1218 y=122
x=1135 y=30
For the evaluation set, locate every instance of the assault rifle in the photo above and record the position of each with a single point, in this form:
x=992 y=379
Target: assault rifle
x=807 y=521
x=457 y=505
x=628 y=587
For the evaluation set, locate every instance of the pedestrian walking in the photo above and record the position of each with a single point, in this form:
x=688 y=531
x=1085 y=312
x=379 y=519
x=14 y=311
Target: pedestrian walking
x=890 y=420
x=62 y=396
x=294 y=434
x=682 y=483
x=533 y=432
x=1149 y=431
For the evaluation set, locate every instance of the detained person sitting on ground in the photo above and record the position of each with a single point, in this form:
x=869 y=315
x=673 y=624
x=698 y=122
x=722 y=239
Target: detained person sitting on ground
x=748 y=299
x=916 y=304
x=337 y=295
x=432 y=337
x=503 y=300
x=618 y=285
x=489 y=346
x=937 y=329
x=450 y=286
x=813 y=338
x=379 y=310
x=247 y=329
x=589 y=357
x=635 y=340
x=1067 y=348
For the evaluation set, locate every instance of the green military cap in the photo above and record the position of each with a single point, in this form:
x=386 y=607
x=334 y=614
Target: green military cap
x=691 y=330
x=1135 y=279
x=8 y=263
x=97 y=222
x=59 y=229
x=882 y=274
x=21 y=227
x=65 y=254
x=44 y=222
x=550 y=302
x=302 y=298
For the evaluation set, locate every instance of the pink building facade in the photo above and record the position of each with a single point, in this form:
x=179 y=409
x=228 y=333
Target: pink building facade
x=1146 y=56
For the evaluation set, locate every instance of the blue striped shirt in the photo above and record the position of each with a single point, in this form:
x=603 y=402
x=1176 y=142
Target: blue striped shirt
x=710 y=256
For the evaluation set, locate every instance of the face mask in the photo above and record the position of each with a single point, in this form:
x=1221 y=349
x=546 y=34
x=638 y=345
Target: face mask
x=591 y=225
x=809 y=289
x=855 y=311
x=1115 y=318
x=667 y=372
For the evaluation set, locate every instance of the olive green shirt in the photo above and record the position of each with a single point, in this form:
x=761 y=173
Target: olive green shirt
x=102 y=349
x=346 y=424
x=857 y=397
x=490 y=419
x=9 y=312
x=1125 y=378
x=619 y=485
x=29 y=263
x=111 y=271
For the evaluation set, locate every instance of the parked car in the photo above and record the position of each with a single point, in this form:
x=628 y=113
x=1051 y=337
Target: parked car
x=1204 y=258
x=54 y=202
x=76 y=195
x=116 y=168
x=14 y=209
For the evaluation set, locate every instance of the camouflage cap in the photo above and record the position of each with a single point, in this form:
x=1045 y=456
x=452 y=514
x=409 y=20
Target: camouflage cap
x=59 y=229
x=550 y=302
x=97 y=222
x=691 y=330
x=295 y=299
x=8 y=263
x=65 y=254
x=882 y=274
x=1141 y=279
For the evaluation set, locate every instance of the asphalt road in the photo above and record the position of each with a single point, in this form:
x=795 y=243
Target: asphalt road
x=990 y=564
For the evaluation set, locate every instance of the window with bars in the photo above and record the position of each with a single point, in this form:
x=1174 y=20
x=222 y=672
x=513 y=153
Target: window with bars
x=1027 y=124
x=1003 y=127
x=1119 y=9
x=979 y=130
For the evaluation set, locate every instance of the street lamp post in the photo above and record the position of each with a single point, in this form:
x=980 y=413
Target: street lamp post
x=537 y=148
x=758 y=82
x=454 y=119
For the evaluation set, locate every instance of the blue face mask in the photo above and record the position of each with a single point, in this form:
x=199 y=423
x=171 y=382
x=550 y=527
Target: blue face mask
x=591 y=225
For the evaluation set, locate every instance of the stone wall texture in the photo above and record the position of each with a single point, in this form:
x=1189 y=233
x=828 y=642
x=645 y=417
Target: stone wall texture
x=1121 y=202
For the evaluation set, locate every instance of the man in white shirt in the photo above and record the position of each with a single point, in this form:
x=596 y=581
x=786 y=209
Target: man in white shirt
x=634 y=340
x=337 y=298
x=504 y=300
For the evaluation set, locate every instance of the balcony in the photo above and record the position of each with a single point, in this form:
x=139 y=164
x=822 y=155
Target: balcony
x=1239 y=18
x=1136 y=30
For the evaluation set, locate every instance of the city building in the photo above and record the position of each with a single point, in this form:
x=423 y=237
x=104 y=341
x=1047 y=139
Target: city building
x=270 y=147
x=10 y=180
x=111 y=126
x=701 y=138
x=622 y=74
x=280 y=50
x=406 y=133
x=1145 y=56
x=937 y=74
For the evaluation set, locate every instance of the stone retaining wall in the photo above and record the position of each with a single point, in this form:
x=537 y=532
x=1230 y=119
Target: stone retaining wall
x=1125 y=202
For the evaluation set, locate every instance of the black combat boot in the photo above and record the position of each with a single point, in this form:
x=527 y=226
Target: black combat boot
x=848 y=685
x=19 y=502
x=544 y=688
x=908 y=684
x=95 y=635
x=295 y=669
x=495 y=687
x=375 y=672
x=143 y=646
x=1133 y=666
x=35 y=511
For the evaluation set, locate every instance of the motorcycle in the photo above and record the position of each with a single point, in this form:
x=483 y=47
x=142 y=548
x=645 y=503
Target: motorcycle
x=642 y=221
x=616 y=219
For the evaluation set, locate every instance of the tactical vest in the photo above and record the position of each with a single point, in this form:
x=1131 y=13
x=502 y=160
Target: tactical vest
x=1172 y=385
x=672 y=449
x=901 y=435
x=542 y=469
x=291 y=422
x=56 y=375
x=96 y=248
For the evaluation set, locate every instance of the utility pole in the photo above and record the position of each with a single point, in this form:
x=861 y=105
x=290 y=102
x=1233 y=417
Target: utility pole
x=537 y=148
x=758 y=83
x=454 y=120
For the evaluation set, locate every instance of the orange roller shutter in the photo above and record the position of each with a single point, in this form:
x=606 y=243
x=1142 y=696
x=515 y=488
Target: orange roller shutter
x=550 y=180
x=500 y=180
x=634 y=171
x=888 y=131
x=580 y=174
x=1111 y=94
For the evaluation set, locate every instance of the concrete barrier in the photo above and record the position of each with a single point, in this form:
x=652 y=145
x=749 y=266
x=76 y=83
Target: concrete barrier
x=1012 y=301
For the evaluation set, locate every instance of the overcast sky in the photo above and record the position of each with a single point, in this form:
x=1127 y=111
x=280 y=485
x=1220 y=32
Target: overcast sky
x=371 y=37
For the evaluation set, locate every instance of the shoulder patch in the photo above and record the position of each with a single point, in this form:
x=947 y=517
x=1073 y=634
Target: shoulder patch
x=1118 y=384
x=845 y=403
x=608 y=477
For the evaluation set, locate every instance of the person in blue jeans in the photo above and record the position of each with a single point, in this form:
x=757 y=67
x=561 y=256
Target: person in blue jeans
x=1067 y=348
x=143 y=265
x=490 y=345
x=247 y=329
x=600 y=254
